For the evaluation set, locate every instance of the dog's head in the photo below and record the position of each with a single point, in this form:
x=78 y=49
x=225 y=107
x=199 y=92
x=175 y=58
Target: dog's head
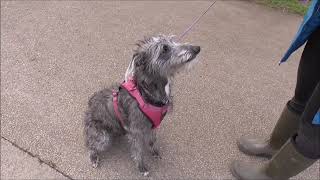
x=161 y=56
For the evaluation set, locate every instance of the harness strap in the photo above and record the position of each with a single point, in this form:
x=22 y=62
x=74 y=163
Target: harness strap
x=116 y=107
x=154 y=113
x=132 y=89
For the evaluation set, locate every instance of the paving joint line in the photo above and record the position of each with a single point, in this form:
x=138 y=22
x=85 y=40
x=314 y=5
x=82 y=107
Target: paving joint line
x=41 y=161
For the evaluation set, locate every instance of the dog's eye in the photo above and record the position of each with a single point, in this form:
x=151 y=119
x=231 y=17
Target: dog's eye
x=165 y=49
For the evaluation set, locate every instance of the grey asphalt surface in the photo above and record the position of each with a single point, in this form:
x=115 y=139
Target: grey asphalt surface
x=54 y=55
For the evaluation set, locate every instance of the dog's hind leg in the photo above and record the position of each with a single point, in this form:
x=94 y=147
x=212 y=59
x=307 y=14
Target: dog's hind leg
x=98 y=140
x=137 y=143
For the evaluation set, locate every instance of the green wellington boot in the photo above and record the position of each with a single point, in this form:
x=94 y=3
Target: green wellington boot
x=286 y=163
x=286 y=126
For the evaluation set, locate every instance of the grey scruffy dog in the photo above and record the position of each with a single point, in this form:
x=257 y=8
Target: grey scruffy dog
x=154 y=64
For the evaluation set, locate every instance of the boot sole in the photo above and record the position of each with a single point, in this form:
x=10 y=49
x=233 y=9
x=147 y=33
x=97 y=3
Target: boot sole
x=233 y=172
x=243 y=177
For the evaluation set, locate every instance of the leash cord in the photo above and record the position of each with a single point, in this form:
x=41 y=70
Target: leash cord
x=195 y=22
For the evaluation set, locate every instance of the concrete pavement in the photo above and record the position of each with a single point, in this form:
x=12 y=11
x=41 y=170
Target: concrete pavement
x=19 y=164
x=55 y=54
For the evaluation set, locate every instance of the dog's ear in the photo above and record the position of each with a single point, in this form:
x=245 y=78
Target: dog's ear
x=139 y=59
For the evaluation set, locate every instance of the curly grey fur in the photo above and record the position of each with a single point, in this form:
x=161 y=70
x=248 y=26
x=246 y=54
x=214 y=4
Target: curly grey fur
x=154 y=63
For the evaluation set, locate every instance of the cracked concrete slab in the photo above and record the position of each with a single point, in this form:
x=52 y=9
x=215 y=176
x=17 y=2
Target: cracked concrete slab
x=55 y=54
x=16 y=164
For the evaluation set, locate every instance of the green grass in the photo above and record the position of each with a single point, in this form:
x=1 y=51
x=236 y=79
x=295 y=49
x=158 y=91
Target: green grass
x=294 y=6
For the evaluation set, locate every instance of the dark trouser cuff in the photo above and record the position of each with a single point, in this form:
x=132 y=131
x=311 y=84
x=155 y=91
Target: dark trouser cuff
x=295 y=106
x=308 y=147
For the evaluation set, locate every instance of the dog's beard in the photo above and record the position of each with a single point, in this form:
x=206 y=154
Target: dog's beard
x=185 y=67
x=191 y=64
x=188 y=62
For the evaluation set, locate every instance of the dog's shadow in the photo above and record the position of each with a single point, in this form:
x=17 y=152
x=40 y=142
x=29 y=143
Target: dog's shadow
x=119 y=148
x=119 y=156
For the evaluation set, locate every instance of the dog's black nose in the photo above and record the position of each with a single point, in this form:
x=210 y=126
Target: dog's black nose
x=196 y=49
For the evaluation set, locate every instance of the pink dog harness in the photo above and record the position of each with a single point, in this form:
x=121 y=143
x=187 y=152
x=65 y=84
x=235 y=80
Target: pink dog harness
x=155 y=114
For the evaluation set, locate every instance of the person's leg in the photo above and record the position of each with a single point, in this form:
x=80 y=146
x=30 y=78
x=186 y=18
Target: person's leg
x=297 y=154
x=307 y=140
x=287 y=124
x=308 y=73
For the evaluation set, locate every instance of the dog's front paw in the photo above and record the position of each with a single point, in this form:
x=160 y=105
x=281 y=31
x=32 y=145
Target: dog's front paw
x=95 y=164
x=144 y=171
x=145 y=174
x=94 y=159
